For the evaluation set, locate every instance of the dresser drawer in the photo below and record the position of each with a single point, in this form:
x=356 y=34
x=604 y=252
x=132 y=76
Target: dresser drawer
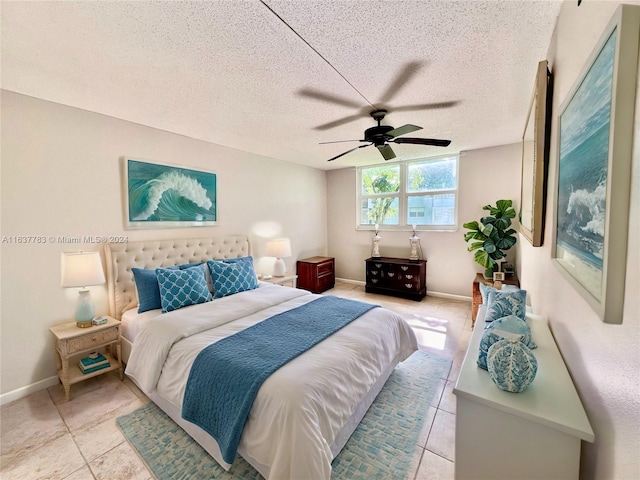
x=86 y=342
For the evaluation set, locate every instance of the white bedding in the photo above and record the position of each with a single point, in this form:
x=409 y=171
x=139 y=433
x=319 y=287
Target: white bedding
x=301 y=408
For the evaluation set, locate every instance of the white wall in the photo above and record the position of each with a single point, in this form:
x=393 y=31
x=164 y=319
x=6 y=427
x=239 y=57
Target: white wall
x=61 y=177
x=604 y=359
x=485 y=176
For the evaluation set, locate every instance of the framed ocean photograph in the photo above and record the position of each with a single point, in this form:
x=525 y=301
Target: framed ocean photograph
x=166 y=196
x=594 y=169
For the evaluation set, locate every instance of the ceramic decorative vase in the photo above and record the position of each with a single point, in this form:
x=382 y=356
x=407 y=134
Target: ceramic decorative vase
x=511 y=365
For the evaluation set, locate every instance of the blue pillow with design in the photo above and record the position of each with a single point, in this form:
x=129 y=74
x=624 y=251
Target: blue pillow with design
x=494 y=333
x=181 y=288
x=147 y=288
x=232 y=277
x=484 y=291
x=500 y=304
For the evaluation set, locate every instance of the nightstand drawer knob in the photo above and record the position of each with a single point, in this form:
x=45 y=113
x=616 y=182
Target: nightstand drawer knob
x=93 y=339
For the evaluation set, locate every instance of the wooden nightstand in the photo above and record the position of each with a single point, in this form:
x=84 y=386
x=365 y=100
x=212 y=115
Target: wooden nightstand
x=316 y=274
x=291 y=280
x=73 y=343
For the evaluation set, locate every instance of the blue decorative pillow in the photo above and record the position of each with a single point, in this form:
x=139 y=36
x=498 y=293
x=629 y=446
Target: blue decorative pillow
x=501 y=304
x=484 y=291
x=180 y=288
x=148 y=289
x=494 y=332
x=511 y=365
x=232 y=277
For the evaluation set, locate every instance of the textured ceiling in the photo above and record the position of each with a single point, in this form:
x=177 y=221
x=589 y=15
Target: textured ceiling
x=232 y=73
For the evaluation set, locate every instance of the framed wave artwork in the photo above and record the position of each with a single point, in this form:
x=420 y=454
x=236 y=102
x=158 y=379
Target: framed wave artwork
x=166 y=196
x=595 y=146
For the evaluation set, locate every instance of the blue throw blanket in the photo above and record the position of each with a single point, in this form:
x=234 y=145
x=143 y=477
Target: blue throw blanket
x=226 y=376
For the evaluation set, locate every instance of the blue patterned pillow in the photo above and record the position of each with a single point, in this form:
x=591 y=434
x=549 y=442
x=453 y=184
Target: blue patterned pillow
x=501 y=304
x=494 y=332
x=484 y=291
x=147 y=288
x=180 y=288
x=232 y=277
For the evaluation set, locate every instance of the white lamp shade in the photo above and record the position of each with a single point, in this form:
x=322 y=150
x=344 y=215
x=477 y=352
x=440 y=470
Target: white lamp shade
x=80 y=269
x=279 y=248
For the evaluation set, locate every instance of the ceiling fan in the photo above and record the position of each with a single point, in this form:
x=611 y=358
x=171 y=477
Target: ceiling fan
x=381 y=135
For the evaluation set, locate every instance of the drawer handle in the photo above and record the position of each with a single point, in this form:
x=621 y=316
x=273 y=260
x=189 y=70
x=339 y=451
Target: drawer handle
x=409 y=276
x=391 y=274
x=374 y=272
x=93 y=339
x=374 y=280
x=408 y=285
x=404 y=268
x=378 y=265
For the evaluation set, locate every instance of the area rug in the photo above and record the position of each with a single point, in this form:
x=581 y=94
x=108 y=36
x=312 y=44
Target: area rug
x=380 y=448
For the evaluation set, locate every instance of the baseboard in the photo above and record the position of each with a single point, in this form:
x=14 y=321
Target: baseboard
x=430 y=293
x=21 y=392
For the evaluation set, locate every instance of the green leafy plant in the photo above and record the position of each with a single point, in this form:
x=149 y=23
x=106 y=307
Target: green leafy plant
x=492 y=236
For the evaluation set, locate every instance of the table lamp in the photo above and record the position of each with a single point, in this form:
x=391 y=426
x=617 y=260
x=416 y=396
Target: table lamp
x=81 y=269
x=279 y=248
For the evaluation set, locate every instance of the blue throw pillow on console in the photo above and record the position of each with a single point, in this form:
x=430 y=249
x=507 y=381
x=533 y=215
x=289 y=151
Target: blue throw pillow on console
x=484 y=291
x=232 y=276
x=500 y=304
x=181 y=288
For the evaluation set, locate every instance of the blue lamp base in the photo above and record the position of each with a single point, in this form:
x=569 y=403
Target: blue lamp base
x=84 y=309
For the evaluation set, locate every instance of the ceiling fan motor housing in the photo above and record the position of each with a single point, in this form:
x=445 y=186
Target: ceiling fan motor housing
x=378 y=134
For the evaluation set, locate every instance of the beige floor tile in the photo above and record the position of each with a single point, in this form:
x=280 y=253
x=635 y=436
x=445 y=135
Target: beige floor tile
x=90 y=408
x=442 y=436
x=434 y=467
x=426 y=427
x=98 y=438
x=448 y=400
x=438 y=395
x=29 y=423
x=456 y=365
x=83 y=474
x=54 y=460
x=121 y=463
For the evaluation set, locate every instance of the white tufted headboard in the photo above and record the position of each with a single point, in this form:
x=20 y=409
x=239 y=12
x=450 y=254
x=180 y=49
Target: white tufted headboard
x=121 y=257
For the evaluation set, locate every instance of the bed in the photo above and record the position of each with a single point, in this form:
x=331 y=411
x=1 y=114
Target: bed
x=304 y=413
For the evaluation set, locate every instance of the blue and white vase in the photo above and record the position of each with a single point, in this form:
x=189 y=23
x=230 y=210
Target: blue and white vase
x=511 y=365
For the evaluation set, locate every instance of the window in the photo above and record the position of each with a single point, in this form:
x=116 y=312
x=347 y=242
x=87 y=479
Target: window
x=420 y=192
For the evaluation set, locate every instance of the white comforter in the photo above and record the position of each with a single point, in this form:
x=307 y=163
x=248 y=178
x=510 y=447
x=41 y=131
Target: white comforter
x=301 y=408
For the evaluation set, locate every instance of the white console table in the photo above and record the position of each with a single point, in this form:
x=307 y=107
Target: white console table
x=535 y=434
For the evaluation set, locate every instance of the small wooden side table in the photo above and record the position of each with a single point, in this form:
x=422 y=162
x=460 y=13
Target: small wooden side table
x=287 y=279
x=74 y=343
x=477 y=296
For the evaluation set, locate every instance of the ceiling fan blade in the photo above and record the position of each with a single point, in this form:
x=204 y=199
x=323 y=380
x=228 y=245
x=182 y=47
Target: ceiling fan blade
x=387 y=152
x=408 y=128
x=336 y=123
x=327 y=97
x=422 y=141
x=426 y=106
x=348 y=151
x=341 y=141
x=409 y=70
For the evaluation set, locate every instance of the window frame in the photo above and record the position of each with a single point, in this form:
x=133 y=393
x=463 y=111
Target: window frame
x=403 y=196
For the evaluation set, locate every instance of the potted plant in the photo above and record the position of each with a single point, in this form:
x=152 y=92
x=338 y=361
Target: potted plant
x=492 y=236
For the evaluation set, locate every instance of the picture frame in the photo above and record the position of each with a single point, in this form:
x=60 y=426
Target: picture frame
x=595 y=139
x=158 y=195
x=535 y=158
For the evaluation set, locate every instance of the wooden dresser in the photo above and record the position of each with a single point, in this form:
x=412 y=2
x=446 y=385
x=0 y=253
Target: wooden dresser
x=477 y=296
x=316 y=274
x=400 y=277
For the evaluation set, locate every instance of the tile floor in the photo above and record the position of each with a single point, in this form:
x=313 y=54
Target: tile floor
x=45 y=436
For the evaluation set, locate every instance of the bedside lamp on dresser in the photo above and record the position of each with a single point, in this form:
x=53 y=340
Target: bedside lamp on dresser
x=82 y=269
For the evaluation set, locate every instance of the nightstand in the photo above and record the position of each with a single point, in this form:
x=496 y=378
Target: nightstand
x=291 y=280
x=316 y=274
x=73 y=343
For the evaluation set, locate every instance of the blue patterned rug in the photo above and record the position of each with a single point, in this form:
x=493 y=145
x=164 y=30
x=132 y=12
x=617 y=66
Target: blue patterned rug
x=381 y=447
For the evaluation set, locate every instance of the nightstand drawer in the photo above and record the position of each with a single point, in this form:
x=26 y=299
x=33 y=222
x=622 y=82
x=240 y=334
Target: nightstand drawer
x=87 y=341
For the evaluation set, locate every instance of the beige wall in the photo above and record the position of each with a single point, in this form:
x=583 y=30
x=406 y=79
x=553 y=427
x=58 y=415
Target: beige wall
x=61 y=177
x=485 y=176
x=604 y=359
